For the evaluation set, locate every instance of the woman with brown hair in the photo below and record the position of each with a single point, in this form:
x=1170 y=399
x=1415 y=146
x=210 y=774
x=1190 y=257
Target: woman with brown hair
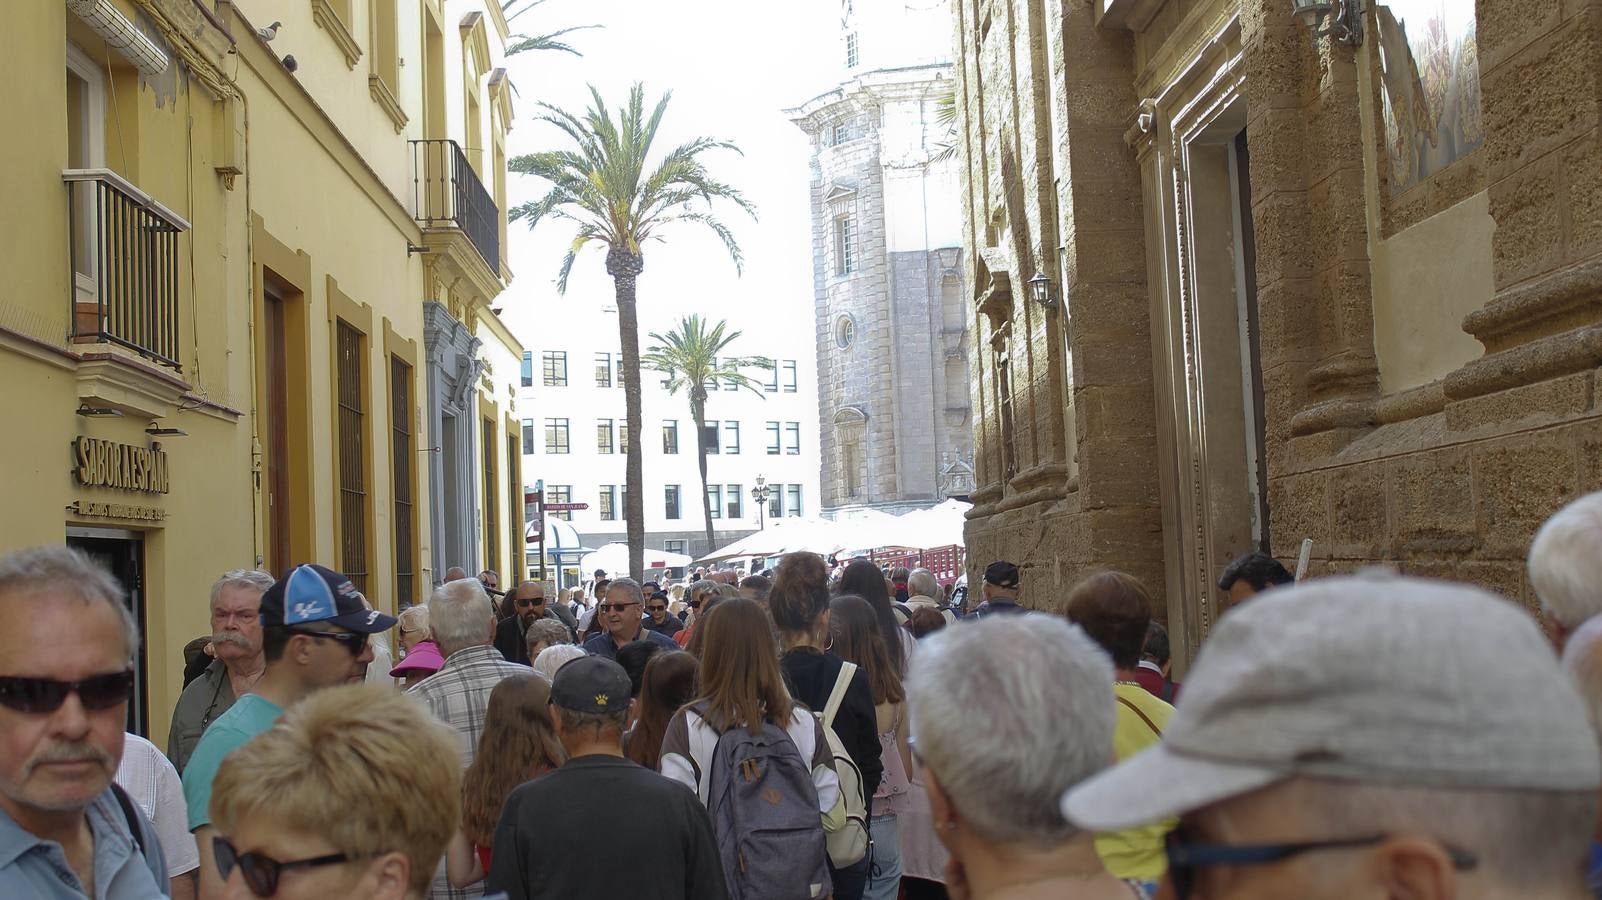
x=671 y=680
x=742 y=687
x=799 y=604
x=854 y=630
x=518 y=744
x=864 y=579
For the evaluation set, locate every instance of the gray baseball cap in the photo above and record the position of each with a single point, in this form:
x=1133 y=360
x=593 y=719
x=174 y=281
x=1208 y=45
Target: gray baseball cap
x=1376 y=679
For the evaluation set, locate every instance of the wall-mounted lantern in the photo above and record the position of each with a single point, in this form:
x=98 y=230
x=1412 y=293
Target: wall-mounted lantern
x=1339 y=20
x=1040 y=289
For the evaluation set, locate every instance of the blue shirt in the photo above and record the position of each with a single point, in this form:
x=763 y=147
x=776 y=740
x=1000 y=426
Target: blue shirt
x=602 y=644
x=249 y=716
x=36 y=868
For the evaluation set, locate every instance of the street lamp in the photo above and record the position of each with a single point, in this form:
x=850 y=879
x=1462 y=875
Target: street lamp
x=1338 y=19
x=760 y=494
x=1040 y=288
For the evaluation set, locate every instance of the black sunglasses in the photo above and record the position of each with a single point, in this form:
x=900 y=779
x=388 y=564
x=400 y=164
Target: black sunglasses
x=617 y=607
x=44 y=695
x=657 y=608
x=530 y=601
x=353 y=642
x=1184 y=859
x=261 y=873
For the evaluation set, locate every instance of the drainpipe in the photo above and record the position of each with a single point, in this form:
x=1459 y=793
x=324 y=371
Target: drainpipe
x=122 y=35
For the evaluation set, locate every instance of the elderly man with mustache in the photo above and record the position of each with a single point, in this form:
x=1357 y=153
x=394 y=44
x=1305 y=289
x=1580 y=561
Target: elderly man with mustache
x=236 y=643
x=66 y=675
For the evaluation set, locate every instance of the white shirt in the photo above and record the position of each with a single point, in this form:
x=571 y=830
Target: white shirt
x=153 y=783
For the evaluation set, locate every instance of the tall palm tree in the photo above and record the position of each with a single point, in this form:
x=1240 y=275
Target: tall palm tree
x=551 y=41
x=606 y=187
x=692 y=356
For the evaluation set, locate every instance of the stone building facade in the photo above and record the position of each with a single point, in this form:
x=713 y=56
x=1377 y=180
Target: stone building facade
x=1341 y=287
x=894 y=418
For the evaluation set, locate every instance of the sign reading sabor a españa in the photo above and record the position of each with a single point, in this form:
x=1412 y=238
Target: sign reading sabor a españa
x=100 y=463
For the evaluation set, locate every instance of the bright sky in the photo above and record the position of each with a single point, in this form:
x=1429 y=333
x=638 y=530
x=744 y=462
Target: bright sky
x=733 y=67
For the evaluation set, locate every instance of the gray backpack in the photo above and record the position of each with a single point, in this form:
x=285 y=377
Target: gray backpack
x=764 y=810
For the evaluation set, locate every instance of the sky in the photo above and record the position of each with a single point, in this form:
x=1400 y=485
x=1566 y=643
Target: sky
x=733 y=66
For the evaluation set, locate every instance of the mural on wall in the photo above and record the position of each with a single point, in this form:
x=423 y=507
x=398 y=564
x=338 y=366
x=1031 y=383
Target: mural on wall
x=1430 y=86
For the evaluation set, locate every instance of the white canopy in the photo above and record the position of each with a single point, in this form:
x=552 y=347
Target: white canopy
x=613 y=558
x=937 y=526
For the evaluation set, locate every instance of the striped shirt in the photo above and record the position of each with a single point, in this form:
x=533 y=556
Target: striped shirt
x=153 y=784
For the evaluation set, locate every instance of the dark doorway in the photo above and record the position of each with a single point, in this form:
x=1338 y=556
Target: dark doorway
x=275 y=429
x=1248 y=252
x=123 y=554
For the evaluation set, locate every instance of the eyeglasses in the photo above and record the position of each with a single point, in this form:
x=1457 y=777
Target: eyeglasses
x=353 y=642
x=1184 y=859
x=617 y=607
x=261 y=872
x=44 y=695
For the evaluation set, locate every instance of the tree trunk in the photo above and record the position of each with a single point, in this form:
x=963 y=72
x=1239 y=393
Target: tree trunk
x=625 y=267
x=698 y=414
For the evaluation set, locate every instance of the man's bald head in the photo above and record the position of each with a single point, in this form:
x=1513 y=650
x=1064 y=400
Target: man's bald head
x=529 y=600
x=455 y=573
x=528 y=590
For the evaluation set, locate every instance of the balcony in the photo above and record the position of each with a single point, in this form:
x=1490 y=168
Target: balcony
x=448 y=194
x=124 y=266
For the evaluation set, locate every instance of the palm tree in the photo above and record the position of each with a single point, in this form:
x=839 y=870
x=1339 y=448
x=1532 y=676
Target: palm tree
x=693 y=356
x=606 y=188
x=550 y=41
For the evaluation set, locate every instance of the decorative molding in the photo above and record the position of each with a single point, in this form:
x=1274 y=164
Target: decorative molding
x=386 y=101
x=106 y=377
x=327 y=18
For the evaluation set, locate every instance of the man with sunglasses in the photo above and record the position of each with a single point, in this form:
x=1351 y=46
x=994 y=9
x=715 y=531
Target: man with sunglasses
x=528 y=605
x=622 y=618
x=66 y=674
x=658 y=618
x=315 y=632
x=1375 y=737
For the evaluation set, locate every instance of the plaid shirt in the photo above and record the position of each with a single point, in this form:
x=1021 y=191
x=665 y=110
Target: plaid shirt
x=458 y=695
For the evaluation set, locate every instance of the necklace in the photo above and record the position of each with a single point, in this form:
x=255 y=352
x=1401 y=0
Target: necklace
x=1130 y=683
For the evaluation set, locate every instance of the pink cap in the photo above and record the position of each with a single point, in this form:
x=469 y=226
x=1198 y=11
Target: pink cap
x=425 y=657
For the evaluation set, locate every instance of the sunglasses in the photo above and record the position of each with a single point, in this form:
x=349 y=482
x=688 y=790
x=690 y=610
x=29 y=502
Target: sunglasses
x=355 y=643
x=657 y=608
x=44 y=695
x=617 y=607
x=261 y=873
x=526 y=601
x=1185 y=859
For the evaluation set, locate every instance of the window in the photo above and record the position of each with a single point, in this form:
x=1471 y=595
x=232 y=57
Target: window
x=555 y=362
x=492 y=556
x=792 y=438
x=845 y=246
x=773 y=438
x=673 y=546
x=714 y=498
x=528 y=368
x=516 y=521
x=845 y=332
x=556 y=436
x=402 y=457
x=731 y=437
x=670 y=499
x=709 y=438
x=789 y=376
x=850 y=453
x=670 y=437
x=793 y=492
x=736 y=502
x=711 y=384
x=845 y=131
x=528 y=435
x=603 y=370
x=352 y=399
x=851 y=50
x=776 y=501
x=622 y=437
x=772 y=384
x=559 y=493
x=603 y=436
x=608 y=503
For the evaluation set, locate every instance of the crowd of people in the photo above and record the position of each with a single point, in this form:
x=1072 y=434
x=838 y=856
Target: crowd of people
x=812 y=734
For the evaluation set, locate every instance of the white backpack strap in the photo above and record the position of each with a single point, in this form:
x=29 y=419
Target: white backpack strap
x=841 y=683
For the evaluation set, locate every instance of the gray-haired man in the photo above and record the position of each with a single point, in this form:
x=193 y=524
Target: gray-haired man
x=236 y=644
x=622 y=613
x=1373 y=737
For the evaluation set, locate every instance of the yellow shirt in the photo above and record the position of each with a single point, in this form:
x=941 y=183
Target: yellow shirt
x=1138 y=852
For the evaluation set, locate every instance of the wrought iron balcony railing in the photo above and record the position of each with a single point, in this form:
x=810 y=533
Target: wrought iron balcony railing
x=124 y=265
x=446 y=191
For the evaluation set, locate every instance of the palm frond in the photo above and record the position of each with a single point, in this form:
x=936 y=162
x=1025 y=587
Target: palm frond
x=551 y=41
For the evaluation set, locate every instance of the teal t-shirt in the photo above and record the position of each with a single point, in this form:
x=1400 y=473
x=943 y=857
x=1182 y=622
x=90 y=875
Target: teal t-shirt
x=249 y=716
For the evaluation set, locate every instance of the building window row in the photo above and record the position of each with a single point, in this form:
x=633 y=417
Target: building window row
x=784 y=437
x=727 y=501
x=611 y=437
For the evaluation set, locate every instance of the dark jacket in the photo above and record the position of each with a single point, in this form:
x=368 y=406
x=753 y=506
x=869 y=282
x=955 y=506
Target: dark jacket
x=810 y=674
x=511 y=639
x=669 y=627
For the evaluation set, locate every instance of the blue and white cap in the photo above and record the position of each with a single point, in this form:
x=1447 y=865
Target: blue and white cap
x=311 y=593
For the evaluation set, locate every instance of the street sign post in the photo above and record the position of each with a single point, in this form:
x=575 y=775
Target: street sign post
x=565 y=507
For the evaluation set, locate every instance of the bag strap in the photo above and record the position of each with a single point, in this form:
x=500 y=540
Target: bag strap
x=841 y=683
x=126 y=802
x=1149 y=723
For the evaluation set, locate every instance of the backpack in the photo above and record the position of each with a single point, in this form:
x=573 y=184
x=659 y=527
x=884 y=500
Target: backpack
x=764 y=811
x=848 y=840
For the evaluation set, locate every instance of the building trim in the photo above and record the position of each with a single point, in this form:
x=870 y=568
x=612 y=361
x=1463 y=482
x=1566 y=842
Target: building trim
x=328 y=19
x=386 y=100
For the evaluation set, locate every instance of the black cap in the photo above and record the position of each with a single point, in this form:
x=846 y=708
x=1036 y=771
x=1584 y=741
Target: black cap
x=1002 y=574
x=312 y=593
x=593 y=684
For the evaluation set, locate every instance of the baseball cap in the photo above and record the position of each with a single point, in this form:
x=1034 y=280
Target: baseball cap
x=425 y=657
x=1002 y=574
x=1375 y=679
x=312 y=593
x=593 y=684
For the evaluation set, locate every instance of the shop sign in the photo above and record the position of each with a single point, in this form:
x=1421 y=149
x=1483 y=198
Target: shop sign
x=100 y=463
x=96 y=510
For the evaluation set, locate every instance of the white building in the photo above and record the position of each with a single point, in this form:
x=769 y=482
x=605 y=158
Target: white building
x=574 y=434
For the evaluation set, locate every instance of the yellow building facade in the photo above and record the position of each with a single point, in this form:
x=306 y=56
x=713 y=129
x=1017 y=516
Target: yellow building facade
x=241 y=238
